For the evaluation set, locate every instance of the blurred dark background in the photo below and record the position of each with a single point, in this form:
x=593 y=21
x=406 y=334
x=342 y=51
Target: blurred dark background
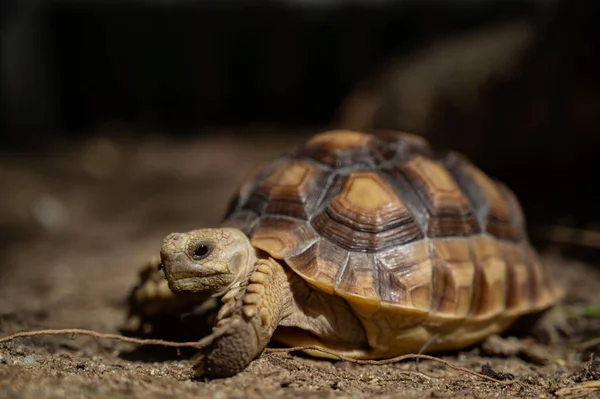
x=180 y=65
x=513 y=84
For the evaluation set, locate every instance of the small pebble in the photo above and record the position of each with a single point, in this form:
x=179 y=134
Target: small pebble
x=28 y=361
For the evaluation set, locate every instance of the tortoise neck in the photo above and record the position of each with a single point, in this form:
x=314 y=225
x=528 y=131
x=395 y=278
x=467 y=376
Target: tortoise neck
x=247 y=263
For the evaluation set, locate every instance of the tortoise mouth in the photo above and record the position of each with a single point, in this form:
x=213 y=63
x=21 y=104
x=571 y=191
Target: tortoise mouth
x=191 y=283
x=177 y=276
x=190 y=275
x=186 y=282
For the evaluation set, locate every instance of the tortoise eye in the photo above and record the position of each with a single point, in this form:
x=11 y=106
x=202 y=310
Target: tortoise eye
x=201 y=251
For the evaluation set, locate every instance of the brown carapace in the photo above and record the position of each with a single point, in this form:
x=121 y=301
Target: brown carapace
x=421 y=245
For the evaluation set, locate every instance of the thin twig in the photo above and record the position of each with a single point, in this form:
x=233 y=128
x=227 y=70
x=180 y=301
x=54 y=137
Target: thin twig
x=78 y=331
x=430 y=341
x=199 y=345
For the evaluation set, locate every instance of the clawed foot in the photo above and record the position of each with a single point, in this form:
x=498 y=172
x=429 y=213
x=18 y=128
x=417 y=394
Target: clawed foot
x=548 y=327
x=227 y=351
x=496 y=345
x=552 y=326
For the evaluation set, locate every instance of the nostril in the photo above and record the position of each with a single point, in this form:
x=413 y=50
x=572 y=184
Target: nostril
x=174 y=237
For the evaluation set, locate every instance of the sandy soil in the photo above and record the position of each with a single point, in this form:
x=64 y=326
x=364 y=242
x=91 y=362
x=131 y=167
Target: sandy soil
x=77 y=222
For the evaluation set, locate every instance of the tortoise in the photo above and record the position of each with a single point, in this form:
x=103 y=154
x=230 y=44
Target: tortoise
x=368 y=245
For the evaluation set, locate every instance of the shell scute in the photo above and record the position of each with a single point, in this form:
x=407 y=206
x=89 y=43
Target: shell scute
x=488 y=197
x=490 y=280
x=281 y=237
x=518 y=296
x=449 y=211
x=339 y=140
x=453 y=277
x=320 y=264
x=290 y=189
x=358 y=277
x=339 y=149
x=366 y=215
x=405 y=275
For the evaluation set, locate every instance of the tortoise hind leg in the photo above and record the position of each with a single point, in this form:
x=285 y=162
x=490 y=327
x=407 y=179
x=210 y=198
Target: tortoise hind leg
x=547 y=326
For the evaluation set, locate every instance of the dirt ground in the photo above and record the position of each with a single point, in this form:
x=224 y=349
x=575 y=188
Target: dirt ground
x=76 y=223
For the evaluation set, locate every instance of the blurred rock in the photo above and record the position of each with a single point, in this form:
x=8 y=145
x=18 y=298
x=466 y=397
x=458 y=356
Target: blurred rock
x=50 y=212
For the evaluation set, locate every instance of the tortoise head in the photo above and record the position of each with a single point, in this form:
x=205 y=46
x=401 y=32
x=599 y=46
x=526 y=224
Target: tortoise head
x=206 y=261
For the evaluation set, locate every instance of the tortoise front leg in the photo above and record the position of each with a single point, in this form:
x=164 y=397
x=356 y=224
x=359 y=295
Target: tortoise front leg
x=151 y=300
x=245 y=324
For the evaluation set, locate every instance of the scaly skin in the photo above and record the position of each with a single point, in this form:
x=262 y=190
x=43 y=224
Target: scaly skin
x=257 y=297
x=251 y=311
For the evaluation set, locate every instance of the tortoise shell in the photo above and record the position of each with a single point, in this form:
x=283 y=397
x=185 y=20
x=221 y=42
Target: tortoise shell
x=387 y=223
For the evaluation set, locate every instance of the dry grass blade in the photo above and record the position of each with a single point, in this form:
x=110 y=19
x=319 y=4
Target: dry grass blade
x=583 y=389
